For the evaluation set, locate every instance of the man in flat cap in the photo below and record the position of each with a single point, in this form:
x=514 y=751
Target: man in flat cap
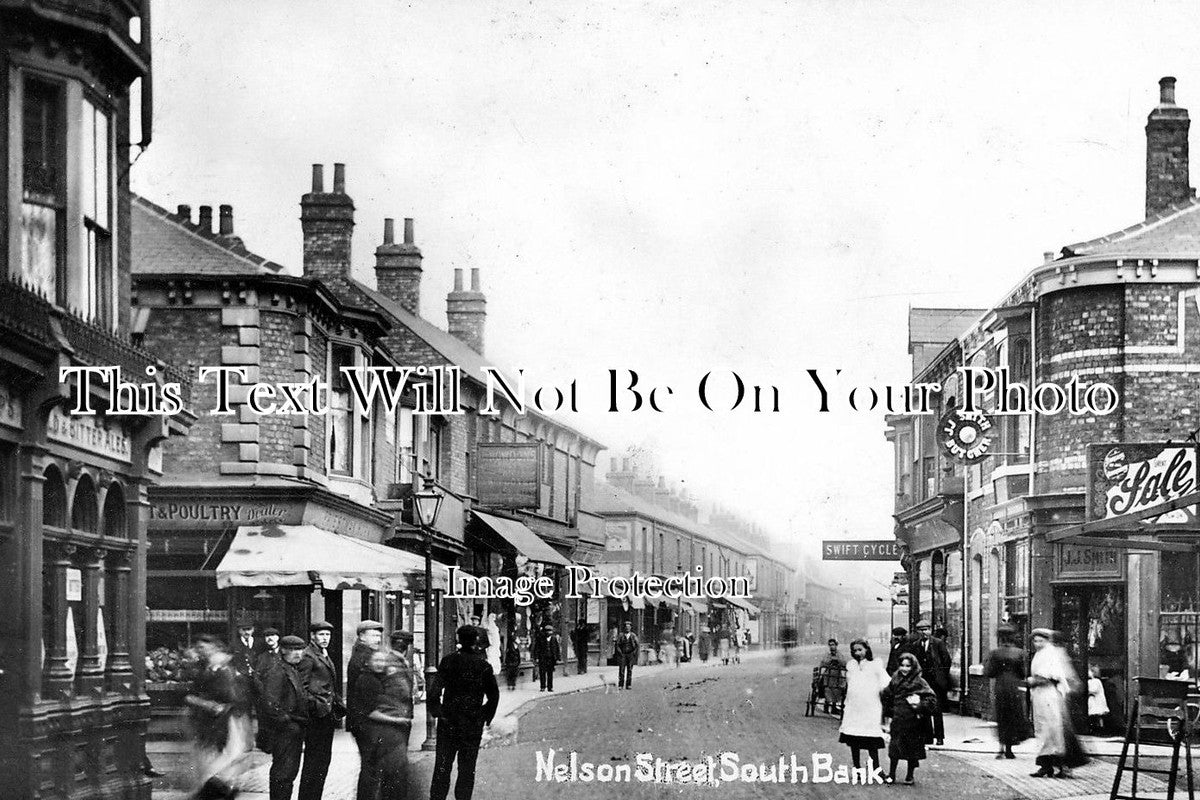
x=900 y=645
x=246 y=647
x=370 y=634
x=321 y=683
x=463 y=697
x=284 y=711
x=270 y=653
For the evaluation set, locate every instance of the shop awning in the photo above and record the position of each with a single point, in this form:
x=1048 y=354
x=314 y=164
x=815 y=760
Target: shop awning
x=695 y=604
x=298 y=555
x=522 y=539
x=741 y=603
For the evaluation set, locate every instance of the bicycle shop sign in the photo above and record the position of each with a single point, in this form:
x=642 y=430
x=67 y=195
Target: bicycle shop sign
x=1126 y=478
x=861 y=550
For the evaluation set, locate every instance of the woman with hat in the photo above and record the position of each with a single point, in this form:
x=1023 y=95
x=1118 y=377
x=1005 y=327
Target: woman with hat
x=865 y=680
x=1051 y=679
x=907 y=703
x=1006 y=667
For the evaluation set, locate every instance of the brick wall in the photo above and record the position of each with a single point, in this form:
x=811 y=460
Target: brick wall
x=276 y=345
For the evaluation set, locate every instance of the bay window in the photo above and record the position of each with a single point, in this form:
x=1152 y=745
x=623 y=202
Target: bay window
x=43 y=194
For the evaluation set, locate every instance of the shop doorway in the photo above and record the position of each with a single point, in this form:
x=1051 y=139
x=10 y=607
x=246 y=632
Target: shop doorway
x=1091 y=618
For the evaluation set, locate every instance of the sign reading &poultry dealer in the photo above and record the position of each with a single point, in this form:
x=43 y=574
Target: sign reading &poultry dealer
x=1126 y=478
x=861 y=550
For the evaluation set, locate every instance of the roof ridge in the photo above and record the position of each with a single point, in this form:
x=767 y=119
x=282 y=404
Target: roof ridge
x=1168 y=214
x=236 y=249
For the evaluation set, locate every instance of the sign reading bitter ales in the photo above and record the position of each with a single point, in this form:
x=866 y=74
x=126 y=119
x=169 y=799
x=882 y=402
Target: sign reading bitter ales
x=1127 y=478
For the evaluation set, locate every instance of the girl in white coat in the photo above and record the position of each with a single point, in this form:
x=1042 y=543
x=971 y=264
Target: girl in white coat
x=863 y=712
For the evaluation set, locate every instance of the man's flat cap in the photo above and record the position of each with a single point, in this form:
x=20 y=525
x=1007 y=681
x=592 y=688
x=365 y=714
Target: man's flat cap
x=320 y=626
x=270 y=632
x=369 y=625
x=291 y=643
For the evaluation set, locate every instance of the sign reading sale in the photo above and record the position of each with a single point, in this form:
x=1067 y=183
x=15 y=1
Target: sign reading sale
x=1126 y=478
x=861 y=550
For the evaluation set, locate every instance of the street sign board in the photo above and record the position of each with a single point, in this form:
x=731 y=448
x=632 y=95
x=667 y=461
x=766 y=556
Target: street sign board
x=861 y=550
x=508 y=475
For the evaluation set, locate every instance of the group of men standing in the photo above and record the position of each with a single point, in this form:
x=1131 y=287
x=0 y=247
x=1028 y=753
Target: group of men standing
x=931 y=653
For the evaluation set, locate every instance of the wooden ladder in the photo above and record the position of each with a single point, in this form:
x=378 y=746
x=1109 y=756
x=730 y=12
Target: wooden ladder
x=1158 y=715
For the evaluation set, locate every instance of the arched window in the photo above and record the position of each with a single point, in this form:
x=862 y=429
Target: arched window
x=85 y=508
x=54 y=499
x=114 y=511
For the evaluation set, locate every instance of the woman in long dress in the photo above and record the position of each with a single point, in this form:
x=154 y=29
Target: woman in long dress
x=493 y=635
x=907 y=702
x=1051 y=679
x=862 y=718
x=1006 y=667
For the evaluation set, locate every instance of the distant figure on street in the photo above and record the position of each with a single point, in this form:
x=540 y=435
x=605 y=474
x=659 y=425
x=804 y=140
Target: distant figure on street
x=931 y=652
x=512 y=664
x=580 y=636
x=321 y=683
x=906 y=698
x=547 y=649
x=463 y=698
x=626 y=647
x=832 y=674
x=220 y=715
x=246 y=648
x=861 y=727
x=900 y=644
x=389 y=722
x=284 y=712
x=369 y=637
x=1051 y=680
x=1006 y=667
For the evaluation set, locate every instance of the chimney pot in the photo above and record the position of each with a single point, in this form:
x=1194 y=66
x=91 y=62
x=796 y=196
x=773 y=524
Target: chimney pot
x=1047 y=256
x=226 y=220
x=474 y=279
x=612 y=465
x=339 y=178
x=205 y=221
x=389 y=230
x=1166 y=91
x=408 y=230
x=184 y=211
x=458 y=279
x=318 y=186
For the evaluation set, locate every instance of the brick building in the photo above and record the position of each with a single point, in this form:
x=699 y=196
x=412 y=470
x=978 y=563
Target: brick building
x=1121 y=310
x=73 y=505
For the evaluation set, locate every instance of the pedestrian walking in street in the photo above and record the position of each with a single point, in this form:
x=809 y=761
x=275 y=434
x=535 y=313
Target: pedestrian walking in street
x=284 y=713
x=512 y=664
x=1051 y=680
x=218 y=706
x=833 y=678
x=627 y=647
x=581 y=635
x=862 y=717
x=900 y=644
x=935 y=667
x=1006 y=667
x=907 y=702
x=704 y=647
x=390 y=721
x=723 y=646
x=321 y=683
x=547 y=649
x=463 y=698
x=369 y=637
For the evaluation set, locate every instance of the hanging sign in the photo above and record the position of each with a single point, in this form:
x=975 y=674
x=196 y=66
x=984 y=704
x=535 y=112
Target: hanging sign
x=1126 y=478
x=966 y=436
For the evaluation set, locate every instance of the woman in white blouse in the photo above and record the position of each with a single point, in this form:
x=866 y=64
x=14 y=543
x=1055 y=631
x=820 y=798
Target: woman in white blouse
x=863 y=711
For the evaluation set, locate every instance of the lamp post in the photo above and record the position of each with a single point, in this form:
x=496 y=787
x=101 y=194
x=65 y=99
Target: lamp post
x=427 y=503
x=678 y=602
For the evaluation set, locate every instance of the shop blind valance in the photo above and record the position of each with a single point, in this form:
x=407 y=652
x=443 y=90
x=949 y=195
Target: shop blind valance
x=522 y=539
x=298 y=555
x=743 y=604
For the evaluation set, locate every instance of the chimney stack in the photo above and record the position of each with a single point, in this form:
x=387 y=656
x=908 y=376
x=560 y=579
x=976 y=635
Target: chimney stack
x=226 y=222
x=466 y=311
x=327 y=220
x=184 y=211
x=205 y=221
x=620 y=476
x=398 y=267
x=1167 y=180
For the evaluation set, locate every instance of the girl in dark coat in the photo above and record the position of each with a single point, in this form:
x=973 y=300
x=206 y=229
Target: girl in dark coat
x=1006 y=666
x=907 y=702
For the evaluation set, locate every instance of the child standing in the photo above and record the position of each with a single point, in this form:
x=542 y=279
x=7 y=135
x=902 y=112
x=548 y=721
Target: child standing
x=907 y=701
x=1097 y=704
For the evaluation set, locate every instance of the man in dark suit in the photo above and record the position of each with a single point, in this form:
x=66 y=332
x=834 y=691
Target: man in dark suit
x=934 y=658
x=284 y=712
x=580 y=637
x=900 y=645
x=321 y=682
x=626 y=647
x=464 y=697
x=270 y=653
x=547 y=646
x=246 y=648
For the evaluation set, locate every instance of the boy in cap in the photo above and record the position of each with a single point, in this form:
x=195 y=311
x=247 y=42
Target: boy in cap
x=285 y=713
x=463 y=697
x=321 y=682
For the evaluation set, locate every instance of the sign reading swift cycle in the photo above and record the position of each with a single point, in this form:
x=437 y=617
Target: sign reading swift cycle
x=1126 y=478
x=861 y=550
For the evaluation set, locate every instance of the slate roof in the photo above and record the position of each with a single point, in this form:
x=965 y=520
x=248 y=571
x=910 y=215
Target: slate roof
x=940 y=325
x=166 y=244
x=1173 y=233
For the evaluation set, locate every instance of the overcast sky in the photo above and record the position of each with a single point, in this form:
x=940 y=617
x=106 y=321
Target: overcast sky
x=762 y=187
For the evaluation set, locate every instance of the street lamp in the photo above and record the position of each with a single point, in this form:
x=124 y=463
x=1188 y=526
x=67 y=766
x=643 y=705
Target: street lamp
x=678 y=602
x=427 y=503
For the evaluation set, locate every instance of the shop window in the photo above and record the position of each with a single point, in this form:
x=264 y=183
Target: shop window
x=1179 y=618
x=54 y=499
x=977 y=600
x=938 y=603
x=952 y=617
x=1016 y=580
x=85 y=507
x=924 y=599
